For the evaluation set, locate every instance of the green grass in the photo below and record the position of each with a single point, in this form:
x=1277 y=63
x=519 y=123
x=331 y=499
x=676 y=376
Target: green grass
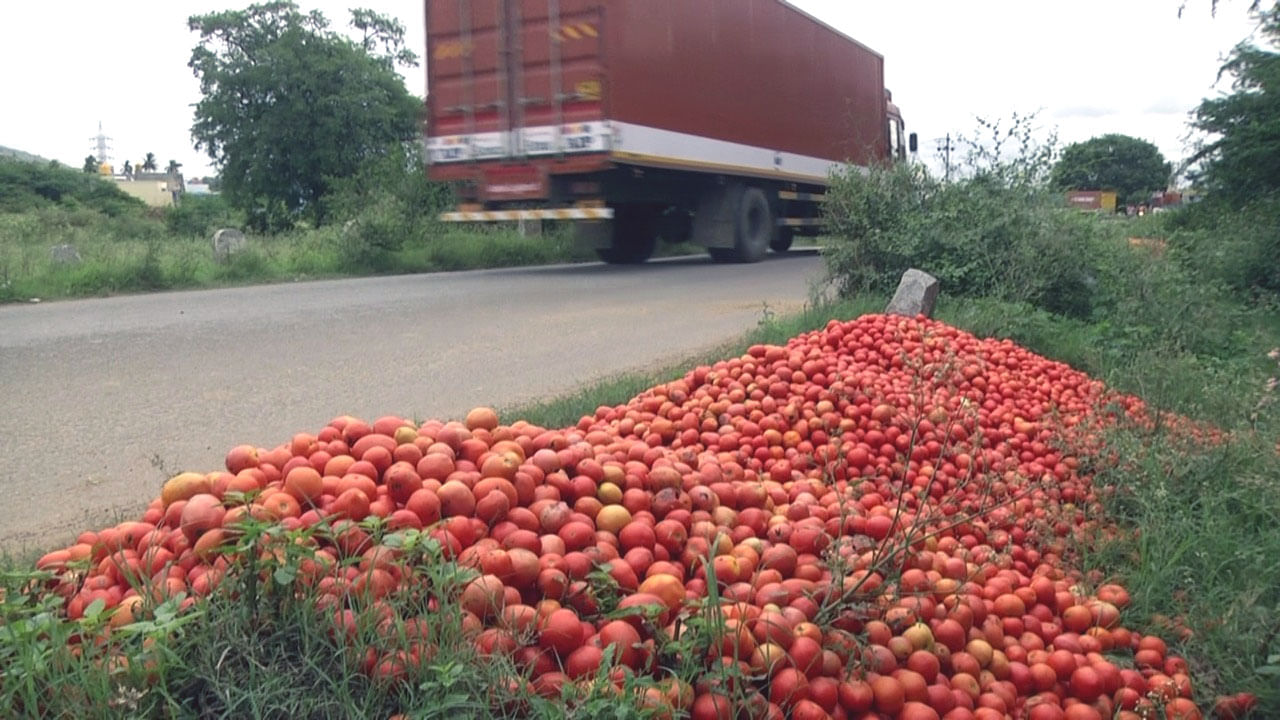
x=142 y=252
x=1204 y=552
x=126 y=255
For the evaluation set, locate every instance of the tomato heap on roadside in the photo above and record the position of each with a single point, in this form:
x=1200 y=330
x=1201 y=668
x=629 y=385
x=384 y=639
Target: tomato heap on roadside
x=873 y=521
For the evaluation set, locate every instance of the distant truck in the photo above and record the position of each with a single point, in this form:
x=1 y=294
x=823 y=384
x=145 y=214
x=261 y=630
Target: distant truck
x=1104 y=200
x=711 y=121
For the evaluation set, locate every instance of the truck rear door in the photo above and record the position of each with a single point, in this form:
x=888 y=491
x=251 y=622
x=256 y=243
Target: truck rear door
x=514 y=79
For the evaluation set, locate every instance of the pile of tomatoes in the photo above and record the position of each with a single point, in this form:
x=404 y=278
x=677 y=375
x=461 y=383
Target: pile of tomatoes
x=875 y=520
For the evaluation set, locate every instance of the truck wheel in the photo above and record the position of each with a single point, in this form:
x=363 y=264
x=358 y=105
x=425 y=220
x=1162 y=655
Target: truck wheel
x=753 y=227
x=633 y=236
x=782 y=239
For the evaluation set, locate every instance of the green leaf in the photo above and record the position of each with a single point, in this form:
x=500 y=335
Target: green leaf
x=1242 y=157
x=94 y=610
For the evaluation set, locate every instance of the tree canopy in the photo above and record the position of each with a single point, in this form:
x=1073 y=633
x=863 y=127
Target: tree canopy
x=290 y=104
x=1130 y=166
x=1241 y=160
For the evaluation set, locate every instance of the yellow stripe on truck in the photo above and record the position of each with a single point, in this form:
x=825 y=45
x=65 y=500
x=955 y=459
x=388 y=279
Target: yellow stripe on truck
x=512 y=215
x=792 y=195
x=574 y=31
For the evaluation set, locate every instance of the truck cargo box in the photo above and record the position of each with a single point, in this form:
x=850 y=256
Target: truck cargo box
x=523 y=90
x=1092 y=199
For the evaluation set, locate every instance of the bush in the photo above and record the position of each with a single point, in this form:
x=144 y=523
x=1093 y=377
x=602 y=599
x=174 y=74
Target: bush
x=1236 y=247
x=983 y=236
x=200 y=215
x=387 y=203
x=27 y=186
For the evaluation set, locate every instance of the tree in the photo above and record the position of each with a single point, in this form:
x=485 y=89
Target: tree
x=128 y=168
x=149 y=163
x=290 y=104
x=1130 y=166
x=1242 y=160
x=90 y=164
x=173 y=167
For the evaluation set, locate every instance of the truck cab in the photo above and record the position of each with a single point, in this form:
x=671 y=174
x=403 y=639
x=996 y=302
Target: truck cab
x=895 y=129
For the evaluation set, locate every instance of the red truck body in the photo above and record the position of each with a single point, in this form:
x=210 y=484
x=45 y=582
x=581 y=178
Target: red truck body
x=636 y=106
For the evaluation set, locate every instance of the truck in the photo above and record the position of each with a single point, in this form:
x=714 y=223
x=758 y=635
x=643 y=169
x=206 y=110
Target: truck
x=716 y=122
x=1104 y=200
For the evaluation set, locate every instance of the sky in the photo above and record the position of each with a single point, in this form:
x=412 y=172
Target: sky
x=1087 y=67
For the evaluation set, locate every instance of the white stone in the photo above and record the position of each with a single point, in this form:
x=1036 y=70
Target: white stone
x=916 y=295
x=64 y=254
x=227 y=242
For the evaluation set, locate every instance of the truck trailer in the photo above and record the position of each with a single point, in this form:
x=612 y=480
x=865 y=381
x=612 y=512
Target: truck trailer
x=711 y=121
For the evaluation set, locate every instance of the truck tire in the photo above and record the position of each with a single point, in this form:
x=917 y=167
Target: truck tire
x=782 y=240
x=753 y=226
x=633 y=236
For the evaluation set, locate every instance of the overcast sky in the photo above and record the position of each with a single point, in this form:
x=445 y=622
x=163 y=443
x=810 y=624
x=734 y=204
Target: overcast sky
x=1090 y=67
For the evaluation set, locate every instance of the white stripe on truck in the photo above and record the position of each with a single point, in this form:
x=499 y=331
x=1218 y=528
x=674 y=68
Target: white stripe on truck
x=513 y=215
x=638 y=144
x=676 y=148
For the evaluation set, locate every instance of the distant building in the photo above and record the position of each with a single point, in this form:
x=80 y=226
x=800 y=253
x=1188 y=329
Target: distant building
x=154 y=189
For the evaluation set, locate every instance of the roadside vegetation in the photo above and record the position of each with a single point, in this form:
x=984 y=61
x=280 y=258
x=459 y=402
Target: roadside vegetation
x=385 y=223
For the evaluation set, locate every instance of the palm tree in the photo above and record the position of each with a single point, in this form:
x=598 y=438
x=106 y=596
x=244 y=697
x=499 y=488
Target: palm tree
x=90 y=164
x=173 y=167
x=149 y=163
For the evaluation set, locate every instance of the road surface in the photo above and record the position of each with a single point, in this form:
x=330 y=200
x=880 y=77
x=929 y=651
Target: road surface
x=103 y=398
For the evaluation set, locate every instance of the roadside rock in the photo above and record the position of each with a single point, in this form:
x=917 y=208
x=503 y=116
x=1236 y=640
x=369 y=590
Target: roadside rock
x=916 y=295
x=64 y=254
x=227 y=242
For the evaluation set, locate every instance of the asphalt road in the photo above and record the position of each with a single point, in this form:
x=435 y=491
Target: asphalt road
x=103 y=398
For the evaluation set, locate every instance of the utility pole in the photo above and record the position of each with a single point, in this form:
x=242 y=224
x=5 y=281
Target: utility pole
x=944 y=147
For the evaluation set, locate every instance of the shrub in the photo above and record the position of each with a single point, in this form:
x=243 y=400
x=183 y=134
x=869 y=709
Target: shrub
x=1236 y=247
x=387 y=203
x=997 y=232
x=26 y=186
x=200 y=215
